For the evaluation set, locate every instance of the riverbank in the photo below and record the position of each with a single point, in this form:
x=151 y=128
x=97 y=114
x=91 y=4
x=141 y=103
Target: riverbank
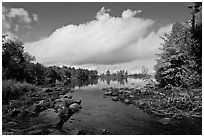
x=42 y=112
x=168 y=104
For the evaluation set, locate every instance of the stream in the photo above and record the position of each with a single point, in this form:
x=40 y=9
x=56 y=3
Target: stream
x=101 y=113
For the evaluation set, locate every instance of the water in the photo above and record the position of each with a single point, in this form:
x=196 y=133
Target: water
x=119 y=119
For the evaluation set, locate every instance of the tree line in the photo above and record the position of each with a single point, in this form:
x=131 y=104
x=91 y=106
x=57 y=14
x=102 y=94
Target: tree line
x=20 y=65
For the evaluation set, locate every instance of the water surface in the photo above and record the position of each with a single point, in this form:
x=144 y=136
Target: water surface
x=119 y=119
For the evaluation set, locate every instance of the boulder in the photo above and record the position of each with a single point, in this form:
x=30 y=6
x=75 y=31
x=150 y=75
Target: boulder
x=50 y=116
x=75 y=107
x=71 y=101
x=116 y=98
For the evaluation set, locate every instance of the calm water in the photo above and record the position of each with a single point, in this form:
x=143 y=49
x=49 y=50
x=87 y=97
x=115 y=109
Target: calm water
x=118 y=118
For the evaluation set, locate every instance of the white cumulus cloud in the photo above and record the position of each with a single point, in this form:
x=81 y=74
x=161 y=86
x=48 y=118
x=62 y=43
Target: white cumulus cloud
x=106 y=40
x=130 y=13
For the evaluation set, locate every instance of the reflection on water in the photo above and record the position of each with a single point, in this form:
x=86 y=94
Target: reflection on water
x=103 y=82
x=119 y=81
x=72 y=83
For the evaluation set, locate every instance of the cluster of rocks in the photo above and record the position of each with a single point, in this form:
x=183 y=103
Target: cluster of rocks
x=149 y=99
x=52 y=106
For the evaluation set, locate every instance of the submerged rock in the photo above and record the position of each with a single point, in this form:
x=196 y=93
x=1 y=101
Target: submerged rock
x=165 y=121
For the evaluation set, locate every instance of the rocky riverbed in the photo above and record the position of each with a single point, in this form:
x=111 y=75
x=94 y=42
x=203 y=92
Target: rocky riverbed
x=168 y=104
x=42 y=112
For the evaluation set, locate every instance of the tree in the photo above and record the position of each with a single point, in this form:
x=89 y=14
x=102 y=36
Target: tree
x=176 y=65
x=12 y=58
x=108 y=73
x=144 y=70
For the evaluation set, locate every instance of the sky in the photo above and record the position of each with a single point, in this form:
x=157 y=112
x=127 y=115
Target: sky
x=93 y=35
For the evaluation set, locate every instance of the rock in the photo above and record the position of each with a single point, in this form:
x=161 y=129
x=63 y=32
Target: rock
x=108 y=93
x=127 y=101
x=141 y=103
x=50 y=116
x=67 y=95
x=74 y=132
x=75 y=107
x=116 y=98
x=114 y=94
x=41 y=102
x=120 y=91
x=131 y=96
x=47 y=90
x=143 y=91
x=104 y=96
x=196 y=97
x=35 y=132
x=104 y=131
x=71 y=101
x=51 y=102
x=15 y=112
x=58 y=100
x=59 y=88
x=165 y=121
x=41 y=107
x=127 y=92
x=186 y=95
x=61 y=104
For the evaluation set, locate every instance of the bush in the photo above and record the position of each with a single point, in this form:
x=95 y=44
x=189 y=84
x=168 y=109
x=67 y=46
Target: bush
x=12 y=89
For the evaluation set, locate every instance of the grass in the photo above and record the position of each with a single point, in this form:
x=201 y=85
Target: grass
x=12 y=89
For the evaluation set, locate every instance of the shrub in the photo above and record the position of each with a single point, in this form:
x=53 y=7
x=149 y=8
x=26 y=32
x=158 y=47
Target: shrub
x=12 y=89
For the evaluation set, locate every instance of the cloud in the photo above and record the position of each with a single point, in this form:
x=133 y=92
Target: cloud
x=35 y=17
x=130 y=13
x=103 y=14
x=15 y=18
x=21 y=14
x=106 y=40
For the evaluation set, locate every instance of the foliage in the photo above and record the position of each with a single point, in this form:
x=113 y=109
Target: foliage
x=12 y=58
x=12 y=89
x=180 y=62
